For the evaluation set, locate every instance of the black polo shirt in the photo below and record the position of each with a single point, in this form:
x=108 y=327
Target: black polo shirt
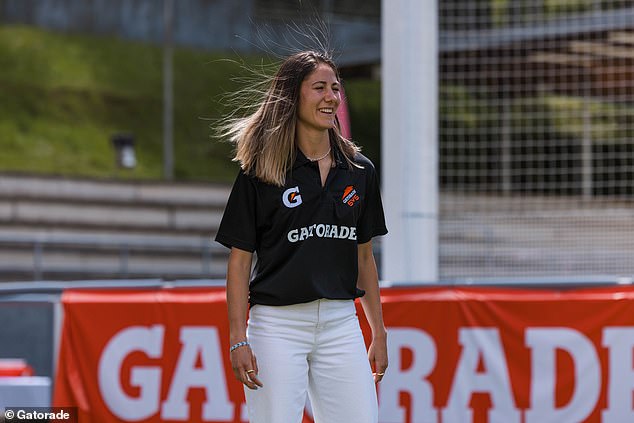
x=305 y=235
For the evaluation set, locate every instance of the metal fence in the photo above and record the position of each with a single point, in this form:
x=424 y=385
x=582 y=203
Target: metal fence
x=69 y=256
x=536 y=130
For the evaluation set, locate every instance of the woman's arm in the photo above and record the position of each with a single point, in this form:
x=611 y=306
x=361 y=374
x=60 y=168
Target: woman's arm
x=369 y=281
x=242 y=359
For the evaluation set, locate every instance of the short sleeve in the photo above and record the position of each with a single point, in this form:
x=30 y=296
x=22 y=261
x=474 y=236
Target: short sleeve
x=238 y=224
x=372 y=220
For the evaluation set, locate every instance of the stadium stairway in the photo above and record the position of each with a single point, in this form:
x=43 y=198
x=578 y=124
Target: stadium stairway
x=65 y=229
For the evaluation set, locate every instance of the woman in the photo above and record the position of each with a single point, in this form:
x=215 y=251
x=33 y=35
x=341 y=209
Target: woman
x=308 y=203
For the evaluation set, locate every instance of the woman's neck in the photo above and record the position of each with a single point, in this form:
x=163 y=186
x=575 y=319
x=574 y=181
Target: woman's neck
x=314 y=144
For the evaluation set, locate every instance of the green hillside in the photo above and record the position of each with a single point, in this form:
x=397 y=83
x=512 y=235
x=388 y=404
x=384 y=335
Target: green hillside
x=62 y=96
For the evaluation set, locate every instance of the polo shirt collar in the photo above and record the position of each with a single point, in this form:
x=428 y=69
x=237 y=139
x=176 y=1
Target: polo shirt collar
x=340 y=160
x=300 y=159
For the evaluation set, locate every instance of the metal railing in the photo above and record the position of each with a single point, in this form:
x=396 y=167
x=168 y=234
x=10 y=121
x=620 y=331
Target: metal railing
x=39 y=246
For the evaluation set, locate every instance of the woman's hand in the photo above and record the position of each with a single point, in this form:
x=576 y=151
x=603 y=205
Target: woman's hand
x=377 y=354
x=245 y=367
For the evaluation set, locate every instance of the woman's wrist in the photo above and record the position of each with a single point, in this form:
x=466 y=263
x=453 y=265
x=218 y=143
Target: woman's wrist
x=379 y=334
x=238 y=336
x=238 y=345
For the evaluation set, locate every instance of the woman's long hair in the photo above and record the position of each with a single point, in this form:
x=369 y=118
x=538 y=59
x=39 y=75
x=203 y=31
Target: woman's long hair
x=265 y=139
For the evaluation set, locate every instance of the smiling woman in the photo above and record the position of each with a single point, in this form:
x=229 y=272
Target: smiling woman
x=318 y=102
x=308 y=203
x=266 y=139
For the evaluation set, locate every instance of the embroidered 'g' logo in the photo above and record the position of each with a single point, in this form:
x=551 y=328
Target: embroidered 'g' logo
x=291 y=197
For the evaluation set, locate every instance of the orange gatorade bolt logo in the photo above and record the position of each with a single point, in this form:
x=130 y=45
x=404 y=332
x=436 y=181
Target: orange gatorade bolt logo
x=350 y=196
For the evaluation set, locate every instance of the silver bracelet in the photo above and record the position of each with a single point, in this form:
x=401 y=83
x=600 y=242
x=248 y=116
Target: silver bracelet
x=238 y=345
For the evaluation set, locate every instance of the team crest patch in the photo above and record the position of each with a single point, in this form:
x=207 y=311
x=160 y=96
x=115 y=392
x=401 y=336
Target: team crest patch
x=291 y=197
x=350 y=196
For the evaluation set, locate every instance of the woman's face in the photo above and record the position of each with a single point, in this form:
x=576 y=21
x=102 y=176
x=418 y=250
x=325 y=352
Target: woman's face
x=319 y=98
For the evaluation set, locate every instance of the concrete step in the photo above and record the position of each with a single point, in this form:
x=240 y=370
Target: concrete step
x=98 y=191
x=149 y=206
x=106 y=234
x=29 y=253
x=16 y=264
x=115 y=216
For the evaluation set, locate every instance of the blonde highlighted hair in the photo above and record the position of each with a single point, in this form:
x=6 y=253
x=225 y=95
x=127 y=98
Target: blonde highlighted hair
x=265 y=139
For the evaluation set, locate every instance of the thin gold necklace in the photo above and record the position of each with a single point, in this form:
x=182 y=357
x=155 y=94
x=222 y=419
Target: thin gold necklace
x=320 y=158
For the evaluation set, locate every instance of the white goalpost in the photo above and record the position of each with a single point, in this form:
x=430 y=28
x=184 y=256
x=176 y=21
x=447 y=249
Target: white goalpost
x=409 y=140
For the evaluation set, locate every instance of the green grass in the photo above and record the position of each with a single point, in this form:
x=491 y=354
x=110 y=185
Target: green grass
x=62 y=96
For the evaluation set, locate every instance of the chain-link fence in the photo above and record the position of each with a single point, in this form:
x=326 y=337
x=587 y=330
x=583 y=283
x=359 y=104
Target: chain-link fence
x=536 y=138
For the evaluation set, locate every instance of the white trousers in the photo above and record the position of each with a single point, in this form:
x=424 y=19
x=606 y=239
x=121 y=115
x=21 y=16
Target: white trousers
x=317 y=349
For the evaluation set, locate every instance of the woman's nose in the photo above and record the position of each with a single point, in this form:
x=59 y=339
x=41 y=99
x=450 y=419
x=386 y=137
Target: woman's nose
x=331 y=95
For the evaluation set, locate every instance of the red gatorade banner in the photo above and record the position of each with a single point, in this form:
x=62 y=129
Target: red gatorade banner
x=456 y=355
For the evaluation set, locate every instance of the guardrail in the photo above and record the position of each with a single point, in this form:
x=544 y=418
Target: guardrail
x=39 y=245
